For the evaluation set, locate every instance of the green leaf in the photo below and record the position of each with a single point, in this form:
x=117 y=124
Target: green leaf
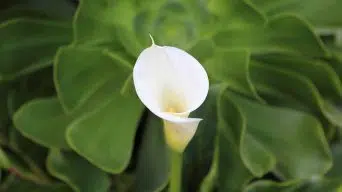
x=28 y=45
x=296 y=90
x=93 y=23
x=43 y=121
x=256 y=157
x=309 y=9
x=202 y=144
x=95 y=81
x=323 y=184
x=232 y=68
x=315 y=185
x=96 y=25
x=14 y=184
x=58 y=9
x=21 y=157
x=153 y=160
x=111 y=130
x=35 y=117
x=336 y=171
x=237 y=13
x=336 y=61
x=274 y=36
x=270 y=186
x=88 y=78
x=19 y=166
x=249 y=29
x=19 y=12
x=127 y=24
x=232 y=171
x=4 y=161
x=99 y=82
x=53 y=9
x=123 y=182
x=173 y=23
x=124 y=26
x=33 y=155
x=228 y=171
x=320 y=73
x=79 y=174
x=294 y=138
x=37 y=85
x=203 y=50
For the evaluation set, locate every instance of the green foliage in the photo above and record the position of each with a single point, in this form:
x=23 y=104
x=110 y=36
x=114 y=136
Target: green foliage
x=71 y=121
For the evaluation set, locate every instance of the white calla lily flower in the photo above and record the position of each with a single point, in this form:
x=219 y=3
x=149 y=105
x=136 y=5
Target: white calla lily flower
x=171 y=84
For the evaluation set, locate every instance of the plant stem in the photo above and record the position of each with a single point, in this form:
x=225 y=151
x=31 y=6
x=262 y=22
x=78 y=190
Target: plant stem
x=176 y=171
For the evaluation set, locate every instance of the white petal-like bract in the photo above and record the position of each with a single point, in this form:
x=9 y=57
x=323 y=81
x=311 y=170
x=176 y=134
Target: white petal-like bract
x=171 y=84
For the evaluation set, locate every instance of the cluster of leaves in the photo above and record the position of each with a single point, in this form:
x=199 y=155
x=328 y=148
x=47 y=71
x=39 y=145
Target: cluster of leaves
x=70 y=120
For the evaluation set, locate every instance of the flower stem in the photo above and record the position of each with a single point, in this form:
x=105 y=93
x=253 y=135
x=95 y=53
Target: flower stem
x=176 y=171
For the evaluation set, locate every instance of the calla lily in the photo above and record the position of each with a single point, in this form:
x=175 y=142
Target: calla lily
x=171 y=84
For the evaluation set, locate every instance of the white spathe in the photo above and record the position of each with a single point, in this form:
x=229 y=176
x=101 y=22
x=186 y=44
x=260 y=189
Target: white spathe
x=171 y=84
